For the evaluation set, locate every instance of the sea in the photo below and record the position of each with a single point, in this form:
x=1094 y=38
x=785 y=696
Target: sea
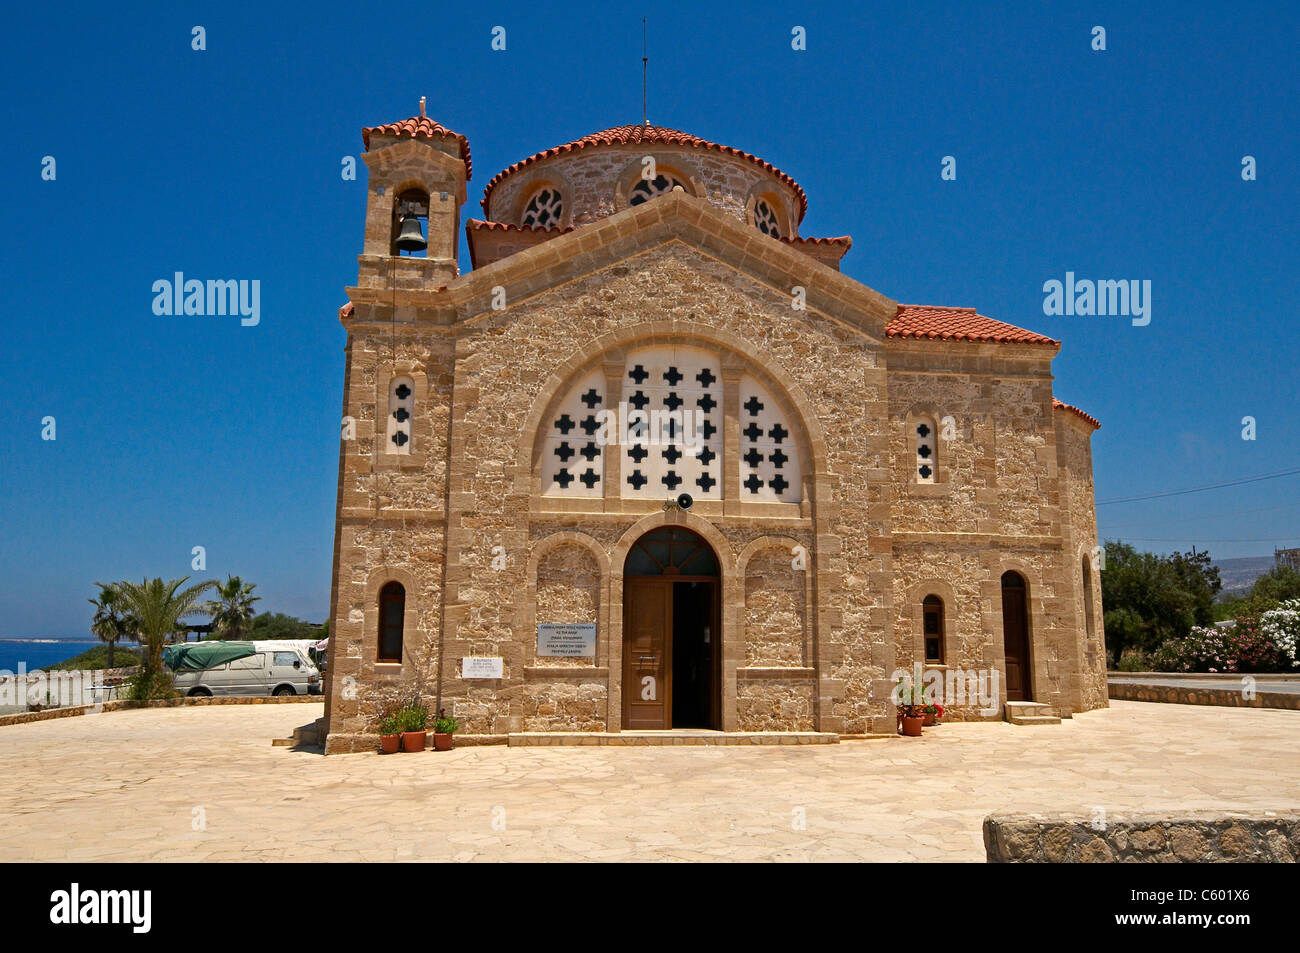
x=38 y=653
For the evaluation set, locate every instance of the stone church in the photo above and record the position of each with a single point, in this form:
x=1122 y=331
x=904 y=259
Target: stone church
x=653 y=462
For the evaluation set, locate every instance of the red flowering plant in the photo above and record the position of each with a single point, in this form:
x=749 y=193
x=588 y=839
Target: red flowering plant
x=934 y=708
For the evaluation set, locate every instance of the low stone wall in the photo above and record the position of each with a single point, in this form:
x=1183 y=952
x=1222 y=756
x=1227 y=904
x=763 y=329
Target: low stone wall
x=1194 y=837
x=1181 y=695
x=72 y=711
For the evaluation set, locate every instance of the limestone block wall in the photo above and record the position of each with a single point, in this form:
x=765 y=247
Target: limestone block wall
x=1074 y=448
x=563 y=694
x=668 y=292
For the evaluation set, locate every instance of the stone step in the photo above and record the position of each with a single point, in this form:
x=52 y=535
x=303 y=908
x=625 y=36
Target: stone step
x=308 y=736
x=1029 y=713
x=672 y=737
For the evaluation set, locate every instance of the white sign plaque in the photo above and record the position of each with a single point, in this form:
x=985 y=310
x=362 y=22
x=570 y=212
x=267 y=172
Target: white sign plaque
x=481 y=667
x=566 y=639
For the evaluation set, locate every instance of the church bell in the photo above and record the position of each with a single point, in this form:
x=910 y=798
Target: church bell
x=410 y=238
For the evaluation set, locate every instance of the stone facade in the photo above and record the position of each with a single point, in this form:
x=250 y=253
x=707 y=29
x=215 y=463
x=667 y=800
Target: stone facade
x=820 y=580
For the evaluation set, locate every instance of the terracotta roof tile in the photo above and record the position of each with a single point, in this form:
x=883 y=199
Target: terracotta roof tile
x=420 y=127
x=653 y=135
x=844 y=240
x=480 y=225
x=1062 y=405
x=957 y=324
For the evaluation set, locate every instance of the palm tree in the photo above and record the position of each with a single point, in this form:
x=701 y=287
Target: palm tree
x=232 y=610
x=158 y=607
x=112 y=621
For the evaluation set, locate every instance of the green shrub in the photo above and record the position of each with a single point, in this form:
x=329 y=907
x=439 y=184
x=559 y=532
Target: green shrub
x=1134 y=660
x=390 y=725
x=146 y=685
x=413 y=717
x=446 y=726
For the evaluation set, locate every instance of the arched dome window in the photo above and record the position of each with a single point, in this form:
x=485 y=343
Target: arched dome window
x=646 y=189
x=544 y=210
x=765 y=219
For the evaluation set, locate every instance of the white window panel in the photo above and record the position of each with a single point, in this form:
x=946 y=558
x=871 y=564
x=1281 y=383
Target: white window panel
x=573 y=455
x=769 y=454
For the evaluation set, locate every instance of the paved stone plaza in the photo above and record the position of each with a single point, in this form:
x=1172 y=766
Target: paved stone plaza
x=134 y=785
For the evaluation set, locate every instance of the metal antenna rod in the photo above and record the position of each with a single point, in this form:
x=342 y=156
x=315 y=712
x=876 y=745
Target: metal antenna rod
x=644 y=60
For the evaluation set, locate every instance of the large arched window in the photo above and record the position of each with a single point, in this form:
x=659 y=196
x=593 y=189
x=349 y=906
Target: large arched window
x=932 y=627
x=392 y=614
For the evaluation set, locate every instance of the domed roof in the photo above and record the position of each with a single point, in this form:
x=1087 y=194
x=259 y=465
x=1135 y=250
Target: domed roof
x=651 y=135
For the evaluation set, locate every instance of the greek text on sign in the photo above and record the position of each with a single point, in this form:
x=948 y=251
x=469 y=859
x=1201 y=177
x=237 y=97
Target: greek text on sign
x=566 y=639
x=481 y=667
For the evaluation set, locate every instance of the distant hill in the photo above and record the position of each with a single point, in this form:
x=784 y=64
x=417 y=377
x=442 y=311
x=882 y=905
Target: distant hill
x=1239 y=574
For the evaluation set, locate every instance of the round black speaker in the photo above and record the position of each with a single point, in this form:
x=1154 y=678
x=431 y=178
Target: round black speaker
x=685 y=502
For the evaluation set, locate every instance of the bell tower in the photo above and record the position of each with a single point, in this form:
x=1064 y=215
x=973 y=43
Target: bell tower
x=418 y=175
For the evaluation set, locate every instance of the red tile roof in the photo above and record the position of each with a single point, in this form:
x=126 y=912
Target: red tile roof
x=480 y=225
x=420 y=127
x=957 y=324
x=654 y=135
x=1062 y=405
x=844 y=240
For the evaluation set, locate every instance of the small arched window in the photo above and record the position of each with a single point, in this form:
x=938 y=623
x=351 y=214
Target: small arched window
x=765 y=219
x=1088 y=622
x=932 y=627
x=392 y=612
x=401 y=407
x=410 y=224
x=646 y=189
x=544 y=210
x=927 y=458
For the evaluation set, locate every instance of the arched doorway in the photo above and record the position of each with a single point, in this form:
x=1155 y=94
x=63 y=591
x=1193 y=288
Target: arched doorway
x=672 y=652
x=1015 y=637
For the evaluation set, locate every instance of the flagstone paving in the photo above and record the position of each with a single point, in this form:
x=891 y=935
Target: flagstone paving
x=204 y=783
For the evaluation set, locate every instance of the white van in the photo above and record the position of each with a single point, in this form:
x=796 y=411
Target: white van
x=279 y=670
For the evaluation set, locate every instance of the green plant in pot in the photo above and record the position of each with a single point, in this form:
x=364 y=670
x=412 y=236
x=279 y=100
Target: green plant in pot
x=390 y=733
x=414 y=719
x=911 y=710
x=443 y=730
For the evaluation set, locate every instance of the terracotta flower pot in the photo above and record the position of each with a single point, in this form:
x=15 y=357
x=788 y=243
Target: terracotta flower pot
x=930 y=720
x=442 y=741
x=912 y=726
x=388 y=743
x=413 y=740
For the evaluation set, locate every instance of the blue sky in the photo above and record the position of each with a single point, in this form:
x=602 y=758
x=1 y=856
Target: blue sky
x=174 y=432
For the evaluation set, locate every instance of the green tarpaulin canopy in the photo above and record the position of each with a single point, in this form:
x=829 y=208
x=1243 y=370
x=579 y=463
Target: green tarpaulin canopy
x=192 y=657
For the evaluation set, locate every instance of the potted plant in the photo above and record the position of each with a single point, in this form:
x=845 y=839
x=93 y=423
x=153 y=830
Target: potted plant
x=911 y=713
x=933 y=712
x=390 y=733
x=443 y=729
x=414 y=719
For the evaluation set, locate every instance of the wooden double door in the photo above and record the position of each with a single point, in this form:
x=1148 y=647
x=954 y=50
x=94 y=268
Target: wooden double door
x=672 y=659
